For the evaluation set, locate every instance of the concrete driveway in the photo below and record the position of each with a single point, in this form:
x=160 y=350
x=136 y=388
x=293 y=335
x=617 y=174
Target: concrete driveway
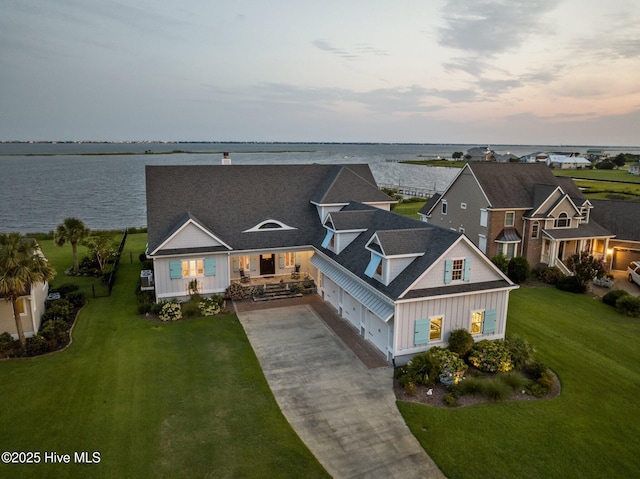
x=344 y=412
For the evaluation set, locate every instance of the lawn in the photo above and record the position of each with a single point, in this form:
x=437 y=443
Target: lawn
x=410 y=209
x=180 y=400
x=590 y=430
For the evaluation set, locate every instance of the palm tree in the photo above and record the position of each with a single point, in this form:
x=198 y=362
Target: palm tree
x=21 y=265
x=72 y=230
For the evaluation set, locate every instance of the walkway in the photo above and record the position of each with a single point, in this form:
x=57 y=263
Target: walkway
x=342 y=409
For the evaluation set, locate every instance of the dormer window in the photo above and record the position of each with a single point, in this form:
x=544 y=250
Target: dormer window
x=269 y=225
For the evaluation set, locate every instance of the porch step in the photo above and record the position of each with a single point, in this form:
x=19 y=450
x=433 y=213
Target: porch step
x=272 y=296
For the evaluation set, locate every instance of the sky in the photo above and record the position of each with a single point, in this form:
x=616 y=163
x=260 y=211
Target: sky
x=563 y=72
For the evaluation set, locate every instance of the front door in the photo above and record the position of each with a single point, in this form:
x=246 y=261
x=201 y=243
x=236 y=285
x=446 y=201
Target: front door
x=267 y=264
x=560 y=250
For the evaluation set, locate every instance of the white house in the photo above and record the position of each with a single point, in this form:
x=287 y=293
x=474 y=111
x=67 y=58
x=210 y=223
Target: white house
x=403 y=284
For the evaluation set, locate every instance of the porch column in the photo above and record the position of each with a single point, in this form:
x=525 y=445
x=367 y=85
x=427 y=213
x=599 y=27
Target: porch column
x=552 y=252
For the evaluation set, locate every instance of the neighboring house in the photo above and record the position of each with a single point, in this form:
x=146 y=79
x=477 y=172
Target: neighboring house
x=31 y=306
x=634 y=169
x=537 y=157
x=596 y=155
x=564 y=162
x=622 y=218
x=478 y=153
x=404 y=285
x=519 y=210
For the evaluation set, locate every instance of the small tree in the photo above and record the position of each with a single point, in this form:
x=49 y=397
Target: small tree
x=72 y=230
x=585 y=268
x=518 y=269
x=457 y=155
x=102 y=248
x=619 y=160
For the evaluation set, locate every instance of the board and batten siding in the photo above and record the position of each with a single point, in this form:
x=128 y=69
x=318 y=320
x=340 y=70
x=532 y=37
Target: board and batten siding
x=167 y=288
x=191 y=237
x=456 y=313
x=480 y=271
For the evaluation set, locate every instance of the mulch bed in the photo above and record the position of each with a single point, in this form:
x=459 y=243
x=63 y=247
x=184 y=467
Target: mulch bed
x=438 y=393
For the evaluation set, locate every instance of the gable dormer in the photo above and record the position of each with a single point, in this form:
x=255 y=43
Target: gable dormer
x=392 y=252
x=342 y=228
x=191 y=233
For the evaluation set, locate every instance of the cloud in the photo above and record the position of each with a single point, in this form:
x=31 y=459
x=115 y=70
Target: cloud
x=359 y=51
x=491 y=27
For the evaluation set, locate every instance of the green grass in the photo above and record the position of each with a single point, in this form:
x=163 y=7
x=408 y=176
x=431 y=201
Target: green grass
x=410 y=209
x=590 y=430
x=180 y=400
x=604 y=175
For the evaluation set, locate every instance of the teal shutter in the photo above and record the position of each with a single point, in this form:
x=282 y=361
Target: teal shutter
x=235 y=264
x=373 y=265
x=281 y=260
x=448 y=268
x=327 y=239
x=421 y=331
x=175 y=269
x=466 y=275
x=253 y=263
x=209 y=266
x=489 y=321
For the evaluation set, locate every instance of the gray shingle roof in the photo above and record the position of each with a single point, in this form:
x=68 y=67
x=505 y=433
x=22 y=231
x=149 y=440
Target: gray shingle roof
x=416 y=235
x=229 y=199
x=622 y=218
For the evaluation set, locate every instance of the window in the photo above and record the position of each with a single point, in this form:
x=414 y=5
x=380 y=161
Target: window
x=484 y=217
x=192 y=268
x=476 y=322
x=21 y=307
x=244 y=262
x=463 y=206
x=535 y=230
x=379 y=269
x=374 y=266
x=510 y=218
x=508 y=250
x=435 y=329
x=457 y=269
x=562 y=221
x=289 y=260
x=444 y=207
x=482 y=243
x=332 y=242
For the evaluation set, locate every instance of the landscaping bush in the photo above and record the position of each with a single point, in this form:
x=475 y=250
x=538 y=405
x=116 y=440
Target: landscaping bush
x=76 y=298
x=501 y=262
x=65 y=289
x=612 y=296
x=36 y=345
x=461 y=342
x=7 y=343
x=534 y=369
x=209 y=306
x=496 y=390
x=59 y=309
x=515 y=380
x=170 y=311
x=422 y=369
x=55 y=332
x=491 y=356
x=518 y=269
x=629 y=305
x=472 y=385
x=146 y=300
x=450 y=367
x=190 y=309
x=520 y=350
x=550 y=274
x=571 y=284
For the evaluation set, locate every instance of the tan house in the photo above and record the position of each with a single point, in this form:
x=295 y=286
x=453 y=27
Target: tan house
x=519 y=210
x=31 y=307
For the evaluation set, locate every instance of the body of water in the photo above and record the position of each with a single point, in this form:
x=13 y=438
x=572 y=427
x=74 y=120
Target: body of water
x=103 y=184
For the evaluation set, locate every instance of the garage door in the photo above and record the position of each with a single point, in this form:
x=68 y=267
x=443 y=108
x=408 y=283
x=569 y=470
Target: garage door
x=351 y=310
x=377 y=332
x=622 y=258
x=332 y=293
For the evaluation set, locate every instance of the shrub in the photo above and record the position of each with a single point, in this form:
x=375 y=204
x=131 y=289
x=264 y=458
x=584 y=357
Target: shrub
x=520 y=350
x=7 y=343
x=518 y=269
x=65 y=289
x=571 y=284
x=501 y=262
x=472 y=385
x=629 y=305
x=36 y=345
x=209 y=307
x=550 y=274
x=541 y=387
x=534 y=369
x=190 y=309
x=515 y=380
x=450 y=367
x=461 y=342
x=55 y=332
x=496 y=390
x=422 y=369
x=76 y=298
x=59 y=309
x=146 y=300
x=612 y=296
x=171 y=311
x=410 y=388
x=450 y=400
x=491 y=356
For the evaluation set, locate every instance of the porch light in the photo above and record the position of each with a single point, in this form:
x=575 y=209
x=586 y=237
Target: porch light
x=609 y=251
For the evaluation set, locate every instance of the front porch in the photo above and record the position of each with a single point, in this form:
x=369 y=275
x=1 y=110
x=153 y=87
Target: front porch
x=265 y=288
x=555 y=251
